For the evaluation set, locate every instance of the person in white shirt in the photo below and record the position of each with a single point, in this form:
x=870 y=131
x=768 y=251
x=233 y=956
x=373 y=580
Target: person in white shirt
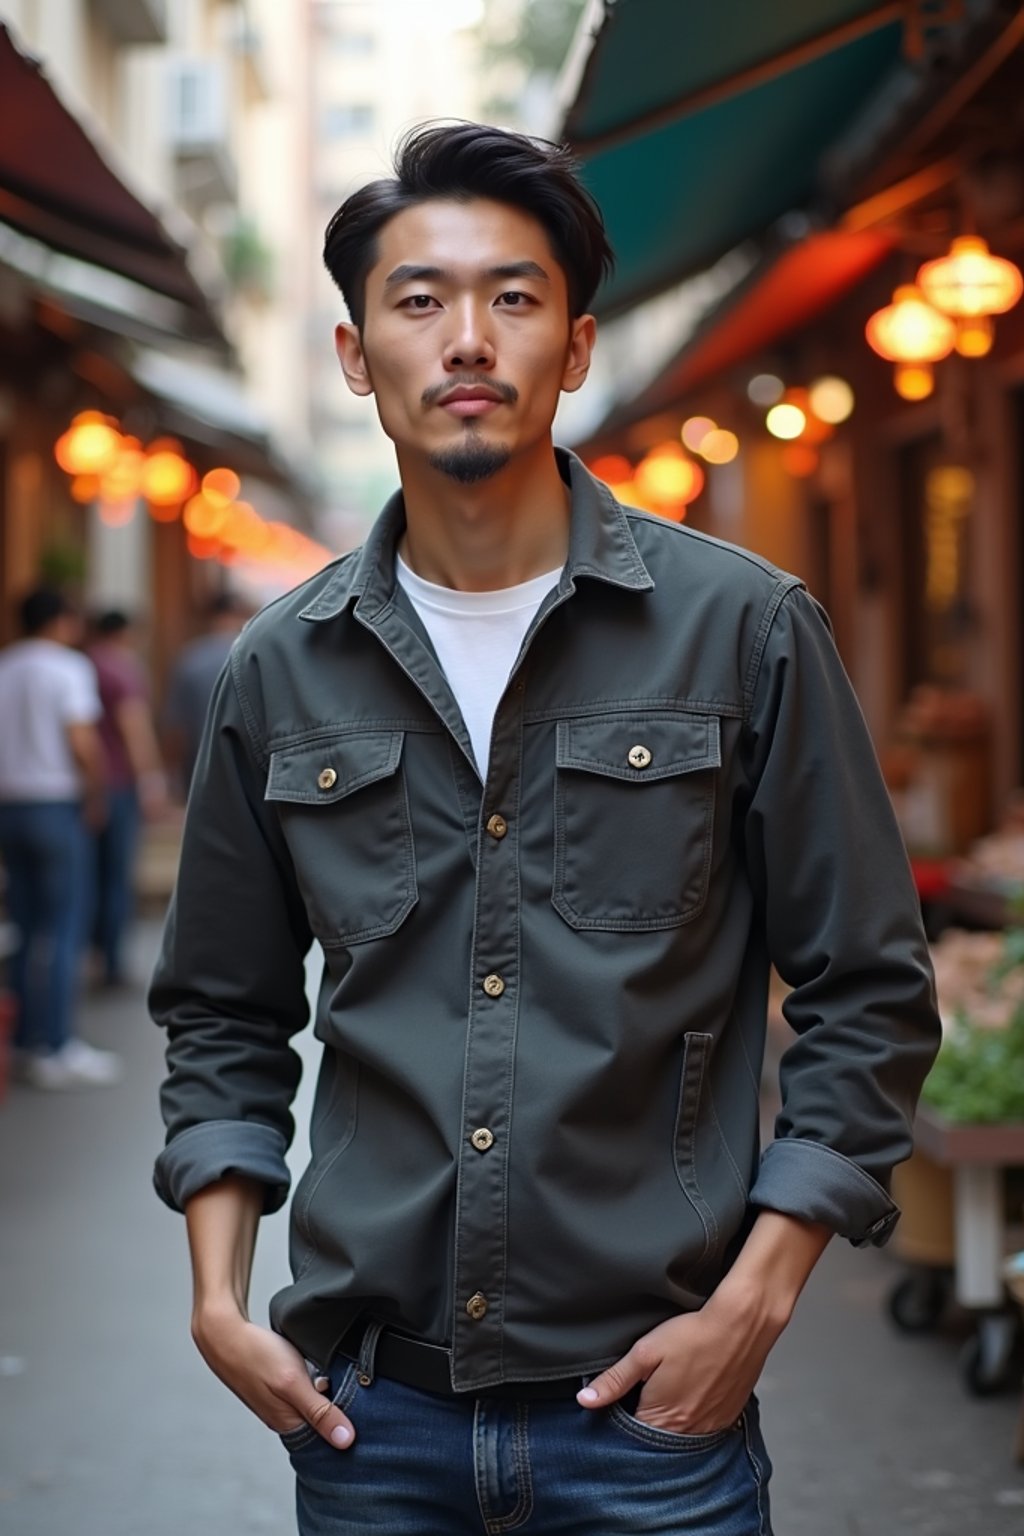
x=50 y=787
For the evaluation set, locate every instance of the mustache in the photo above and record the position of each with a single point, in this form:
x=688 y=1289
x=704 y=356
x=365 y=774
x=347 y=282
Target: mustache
x=507 y=392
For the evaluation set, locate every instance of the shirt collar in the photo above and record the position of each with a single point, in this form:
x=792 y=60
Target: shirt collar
x=601 y=545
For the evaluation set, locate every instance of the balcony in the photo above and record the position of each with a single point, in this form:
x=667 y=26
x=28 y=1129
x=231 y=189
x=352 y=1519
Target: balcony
x=199 y=131
x=134 y=21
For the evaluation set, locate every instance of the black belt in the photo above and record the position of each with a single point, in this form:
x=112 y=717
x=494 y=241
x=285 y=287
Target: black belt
x=415 y=1363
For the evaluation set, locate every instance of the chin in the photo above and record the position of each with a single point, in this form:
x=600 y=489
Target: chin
x=471 y=460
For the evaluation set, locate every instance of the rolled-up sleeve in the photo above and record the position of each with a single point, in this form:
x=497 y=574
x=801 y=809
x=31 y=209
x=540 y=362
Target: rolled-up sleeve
x=830 y=873
x=229 y=986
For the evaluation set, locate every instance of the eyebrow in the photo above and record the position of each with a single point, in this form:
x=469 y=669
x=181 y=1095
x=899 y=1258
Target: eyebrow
x=409 y=273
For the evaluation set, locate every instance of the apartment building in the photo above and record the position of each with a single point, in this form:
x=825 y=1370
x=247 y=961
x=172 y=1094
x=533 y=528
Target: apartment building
x=194 y=109
x=376 y=68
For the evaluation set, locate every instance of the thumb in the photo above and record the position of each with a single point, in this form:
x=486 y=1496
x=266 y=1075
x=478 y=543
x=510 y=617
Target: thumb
x=615 y=1382
x=328 y=1421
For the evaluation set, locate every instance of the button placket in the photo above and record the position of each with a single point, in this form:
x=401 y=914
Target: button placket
x=482 y=1196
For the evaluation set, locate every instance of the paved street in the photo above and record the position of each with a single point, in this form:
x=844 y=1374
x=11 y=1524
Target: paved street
x=110 y=1425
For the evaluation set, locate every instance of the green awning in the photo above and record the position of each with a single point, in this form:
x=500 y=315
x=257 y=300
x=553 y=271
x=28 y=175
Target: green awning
x=701 y=124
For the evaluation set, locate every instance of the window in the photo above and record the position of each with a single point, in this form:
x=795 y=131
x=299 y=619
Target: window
x=354 y=45
x=344 y=120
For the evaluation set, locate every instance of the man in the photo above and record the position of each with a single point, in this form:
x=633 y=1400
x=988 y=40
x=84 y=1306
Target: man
x=192 y=683
x=133 y=778
x=51 y=784
x=552 y=782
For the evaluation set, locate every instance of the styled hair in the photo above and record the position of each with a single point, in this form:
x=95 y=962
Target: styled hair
x=462 y=161
x=39 y=608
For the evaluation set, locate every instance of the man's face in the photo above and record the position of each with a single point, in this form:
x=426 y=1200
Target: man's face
x=467 y=340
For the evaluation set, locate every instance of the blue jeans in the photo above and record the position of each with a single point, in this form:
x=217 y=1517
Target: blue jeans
x=114 y=859
x=44 y=849
x=424 y=1465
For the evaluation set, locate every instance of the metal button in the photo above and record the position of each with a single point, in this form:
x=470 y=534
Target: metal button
x=497 y=826
x=493 y=985
x=482 y=1139
x=363 y=1379
x=476 y=1306
x=328 y=778
x=639 y=756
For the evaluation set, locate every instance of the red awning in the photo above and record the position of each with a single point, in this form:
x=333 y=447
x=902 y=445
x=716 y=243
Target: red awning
x=55 y=187
x=798 y=286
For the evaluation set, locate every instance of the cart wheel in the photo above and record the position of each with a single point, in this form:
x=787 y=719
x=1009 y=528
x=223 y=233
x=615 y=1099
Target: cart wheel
x=917 y=1302
x=987 y=1358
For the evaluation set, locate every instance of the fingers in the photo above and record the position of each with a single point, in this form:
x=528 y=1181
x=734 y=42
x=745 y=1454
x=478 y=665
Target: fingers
x=617 y=1380
x=332 y=1425
x=321 y=1414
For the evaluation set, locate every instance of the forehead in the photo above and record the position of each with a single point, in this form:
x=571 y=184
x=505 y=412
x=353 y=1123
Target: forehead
x=464 y=238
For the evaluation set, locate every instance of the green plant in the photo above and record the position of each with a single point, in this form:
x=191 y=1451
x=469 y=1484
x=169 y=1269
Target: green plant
x=978 y=1076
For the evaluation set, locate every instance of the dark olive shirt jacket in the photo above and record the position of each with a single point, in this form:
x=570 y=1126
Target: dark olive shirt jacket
x=535 y=1134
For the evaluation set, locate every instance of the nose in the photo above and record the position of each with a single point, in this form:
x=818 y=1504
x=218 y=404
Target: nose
x=469 y=343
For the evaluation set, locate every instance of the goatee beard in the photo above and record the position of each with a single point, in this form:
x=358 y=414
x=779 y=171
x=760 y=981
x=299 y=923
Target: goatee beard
x=470 y=461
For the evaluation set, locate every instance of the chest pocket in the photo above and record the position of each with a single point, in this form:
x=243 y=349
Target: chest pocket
x=634 y=809
x=345 y=814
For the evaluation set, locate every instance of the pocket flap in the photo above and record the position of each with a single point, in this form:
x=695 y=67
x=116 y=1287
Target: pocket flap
x=639 y=748
x=324 y=771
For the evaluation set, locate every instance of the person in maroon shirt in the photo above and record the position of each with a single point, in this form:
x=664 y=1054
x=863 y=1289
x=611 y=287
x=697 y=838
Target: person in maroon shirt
x=135 y=785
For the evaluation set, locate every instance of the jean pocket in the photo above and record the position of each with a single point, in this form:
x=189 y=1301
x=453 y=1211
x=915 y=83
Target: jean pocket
x=304 y=1434
x=669 y=1439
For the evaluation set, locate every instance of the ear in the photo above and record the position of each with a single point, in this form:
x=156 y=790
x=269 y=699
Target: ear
x=349 y=346
x=581 y=348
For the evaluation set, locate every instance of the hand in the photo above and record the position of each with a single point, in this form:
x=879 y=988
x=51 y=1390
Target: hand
x=270 y=1377
x=699 y=1368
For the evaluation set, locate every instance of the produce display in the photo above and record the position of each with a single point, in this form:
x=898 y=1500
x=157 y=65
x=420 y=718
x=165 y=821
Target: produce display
x=978 y=1076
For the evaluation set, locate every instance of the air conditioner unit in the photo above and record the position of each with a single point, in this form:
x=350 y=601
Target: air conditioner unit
x=199 y=128
x=197 y=102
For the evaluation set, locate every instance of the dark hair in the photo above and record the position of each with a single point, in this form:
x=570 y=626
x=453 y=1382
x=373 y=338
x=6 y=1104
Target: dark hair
x=113 y=622
x=469 y=160
x=38 y=609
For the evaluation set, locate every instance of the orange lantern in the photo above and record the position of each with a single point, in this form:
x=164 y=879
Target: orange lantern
x=167 y=477
x=911 y=332
x=202 y=549
x=719 y=446
x=120 y=481
x=89 y=446
x=694 y=430
x=612 y=468
x=204 y=517
x=970 y=280
x=971 y=285
x=221 y=486
x=667 y=478
x=814 y=429
x=85 y=488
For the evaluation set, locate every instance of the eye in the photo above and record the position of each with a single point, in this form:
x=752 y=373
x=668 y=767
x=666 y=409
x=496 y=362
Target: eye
x=514 y=299
x=418 y=301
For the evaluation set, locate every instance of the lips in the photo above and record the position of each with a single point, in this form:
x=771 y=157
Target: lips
x=471 y=401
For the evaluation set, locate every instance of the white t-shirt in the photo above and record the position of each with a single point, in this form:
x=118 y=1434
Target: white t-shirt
x=44 y=688
x=477 y=637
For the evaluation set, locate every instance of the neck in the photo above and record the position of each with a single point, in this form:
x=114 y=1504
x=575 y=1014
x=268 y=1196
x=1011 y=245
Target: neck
x=497 y=533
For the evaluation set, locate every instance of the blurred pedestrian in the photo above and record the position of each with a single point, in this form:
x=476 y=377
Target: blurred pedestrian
x=193 y=676
x=552 y=781
x=134 y=784
x=51 y=786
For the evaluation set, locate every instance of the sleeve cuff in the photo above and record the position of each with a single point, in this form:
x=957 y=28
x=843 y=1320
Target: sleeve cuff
x=208 y=1152
x=815 y=1183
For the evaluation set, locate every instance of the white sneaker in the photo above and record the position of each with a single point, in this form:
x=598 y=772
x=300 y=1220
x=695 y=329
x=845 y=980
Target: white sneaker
x=75 y=1065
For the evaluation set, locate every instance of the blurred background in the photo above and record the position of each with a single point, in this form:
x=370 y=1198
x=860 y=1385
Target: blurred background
x=812 y=345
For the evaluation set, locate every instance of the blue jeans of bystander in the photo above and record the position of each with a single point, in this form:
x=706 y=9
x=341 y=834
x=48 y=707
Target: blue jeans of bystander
x=43 y=847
